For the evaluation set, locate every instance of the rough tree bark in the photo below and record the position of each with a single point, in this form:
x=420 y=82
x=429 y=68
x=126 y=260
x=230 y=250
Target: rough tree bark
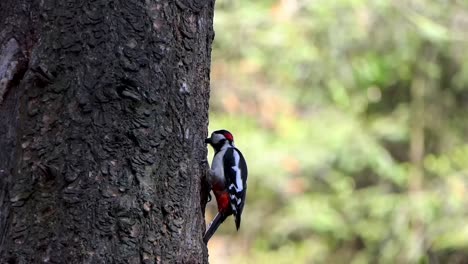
x=103 y=112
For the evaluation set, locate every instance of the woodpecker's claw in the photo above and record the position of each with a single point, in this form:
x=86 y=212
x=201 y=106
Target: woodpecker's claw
x=209 y=197
x=204 y=161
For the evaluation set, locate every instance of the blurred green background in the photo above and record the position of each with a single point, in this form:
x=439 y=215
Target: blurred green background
x=352 y=116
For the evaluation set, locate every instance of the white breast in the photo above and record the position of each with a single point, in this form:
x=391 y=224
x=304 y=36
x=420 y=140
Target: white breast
x=217 y=167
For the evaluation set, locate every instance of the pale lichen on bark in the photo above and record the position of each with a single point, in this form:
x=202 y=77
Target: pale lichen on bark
x=8 y=65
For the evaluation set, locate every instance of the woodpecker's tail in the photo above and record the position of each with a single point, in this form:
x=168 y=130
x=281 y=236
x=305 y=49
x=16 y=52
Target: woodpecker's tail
x=217 y=221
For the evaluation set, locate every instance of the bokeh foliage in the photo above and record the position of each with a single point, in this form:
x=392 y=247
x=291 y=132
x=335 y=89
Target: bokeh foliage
x=352 y=116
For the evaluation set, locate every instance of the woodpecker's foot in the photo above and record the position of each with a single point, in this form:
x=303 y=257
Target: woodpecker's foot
x=209 y=197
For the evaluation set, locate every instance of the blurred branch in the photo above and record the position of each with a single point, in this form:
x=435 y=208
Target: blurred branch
x=419 y=86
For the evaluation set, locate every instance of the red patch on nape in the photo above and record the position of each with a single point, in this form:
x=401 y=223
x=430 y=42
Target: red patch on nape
x=228 y=136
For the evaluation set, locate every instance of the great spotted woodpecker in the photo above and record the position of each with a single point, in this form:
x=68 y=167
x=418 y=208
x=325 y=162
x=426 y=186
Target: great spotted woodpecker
x=228 y=179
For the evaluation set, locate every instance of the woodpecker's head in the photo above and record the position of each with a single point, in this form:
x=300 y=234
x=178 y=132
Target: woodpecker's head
x=219 y=139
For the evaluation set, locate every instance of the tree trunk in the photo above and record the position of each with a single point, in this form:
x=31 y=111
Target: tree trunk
x=103 y=112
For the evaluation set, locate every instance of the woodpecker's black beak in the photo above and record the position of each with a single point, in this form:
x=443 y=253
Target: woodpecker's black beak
x=208 y=141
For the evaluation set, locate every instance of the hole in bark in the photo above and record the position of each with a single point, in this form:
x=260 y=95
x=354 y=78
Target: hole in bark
x=12 y=260
x=47 y=212
x=120 y=89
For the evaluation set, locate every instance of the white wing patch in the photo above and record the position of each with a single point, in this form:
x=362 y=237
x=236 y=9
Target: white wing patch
x=233 y=206
x=238 y=200
x=238 y=186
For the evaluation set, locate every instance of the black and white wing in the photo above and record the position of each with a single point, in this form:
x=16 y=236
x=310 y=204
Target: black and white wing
x=235 y=173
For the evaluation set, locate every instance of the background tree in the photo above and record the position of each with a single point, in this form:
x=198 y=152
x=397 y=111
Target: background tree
x=103 y=109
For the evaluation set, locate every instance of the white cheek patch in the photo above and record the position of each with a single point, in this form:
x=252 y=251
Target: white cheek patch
x=216 y=138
